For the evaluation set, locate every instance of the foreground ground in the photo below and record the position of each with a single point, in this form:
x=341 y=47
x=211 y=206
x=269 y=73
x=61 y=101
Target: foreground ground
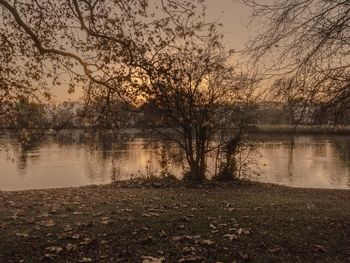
x=256 y=223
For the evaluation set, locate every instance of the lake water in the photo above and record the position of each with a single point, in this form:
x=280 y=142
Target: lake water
x=73 y=160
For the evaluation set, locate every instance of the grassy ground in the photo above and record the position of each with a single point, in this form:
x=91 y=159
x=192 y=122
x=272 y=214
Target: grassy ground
x=256 y=223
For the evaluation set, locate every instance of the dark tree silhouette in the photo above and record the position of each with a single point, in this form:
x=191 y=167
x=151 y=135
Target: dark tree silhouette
x=97 y=44
x=306 y=42
x=164 y=54
x=199 y=100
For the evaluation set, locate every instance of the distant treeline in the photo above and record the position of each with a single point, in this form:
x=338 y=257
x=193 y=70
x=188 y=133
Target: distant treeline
x=75 y=115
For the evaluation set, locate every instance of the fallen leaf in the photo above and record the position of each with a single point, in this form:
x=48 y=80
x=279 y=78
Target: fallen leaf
x=163 y=234
x=274 y=249
x=53 y=250
x=207 y=242
x=212 y=226
x=49 y=256
x=151 y=214
x=147 y=240
x=104 y=220
x=77 y=213
x=244 y=231
x=48 y=223
x=318 y=248
x=244 y=256
x=75 y=236
x=231 y=236
x=22 y=234
x=84 y=260
x=86 y=241
x=190 y=259
x=149 y=259
x=188 y=250
x=71 y=247
x=29 y=220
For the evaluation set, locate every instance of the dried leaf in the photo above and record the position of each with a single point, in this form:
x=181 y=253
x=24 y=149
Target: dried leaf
x=149 y=259
x=207 y=242
x=318 y=248
x=84 y=260
x=19 y=234
x=29 y=220
x=54 y=250
x=71 y=247
x=48 y=223
x=231 y=236
x=190 y=259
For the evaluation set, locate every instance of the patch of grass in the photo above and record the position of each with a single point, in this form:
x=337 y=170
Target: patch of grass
x=247 y=222
x=150 y=181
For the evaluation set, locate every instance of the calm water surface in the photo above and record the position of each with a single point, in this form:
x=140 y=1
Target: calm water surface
x=73 y=160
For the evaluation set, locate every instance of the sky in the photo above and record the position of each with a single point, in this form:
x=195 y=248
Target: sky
x=233 y=15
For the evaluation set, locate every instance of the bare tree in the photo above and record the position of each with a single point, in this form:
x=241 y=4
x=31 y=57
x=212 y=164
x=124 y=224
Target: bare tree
x=199 y=101
x=306 y=42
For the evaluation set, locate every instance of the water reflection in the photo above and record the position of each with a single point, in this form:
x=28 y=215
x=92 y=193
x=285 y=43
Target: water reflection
x=306 y=161
x=78 y=158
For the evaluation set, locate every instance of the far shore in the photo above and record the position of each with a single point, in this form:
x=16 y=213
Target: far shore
x=251 y=129
x=299 y=129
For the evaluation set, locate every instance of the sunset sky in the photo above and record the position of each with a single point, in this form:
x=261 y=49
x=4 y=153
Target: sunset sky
x=232 y=14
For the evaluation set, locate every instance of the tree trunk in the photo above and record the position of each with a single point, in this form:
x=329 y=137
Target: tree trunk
x=197 y=171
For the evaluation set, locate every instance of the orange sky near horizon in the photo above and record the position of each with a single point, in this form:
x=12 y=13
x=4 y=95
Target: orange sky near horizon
x=233 y=15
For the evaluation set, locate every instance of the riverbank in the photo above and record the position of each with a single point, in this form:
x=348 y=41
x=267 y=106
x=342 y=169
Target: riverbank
x=299 y=129
x=252 y=128
x=248 y=222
